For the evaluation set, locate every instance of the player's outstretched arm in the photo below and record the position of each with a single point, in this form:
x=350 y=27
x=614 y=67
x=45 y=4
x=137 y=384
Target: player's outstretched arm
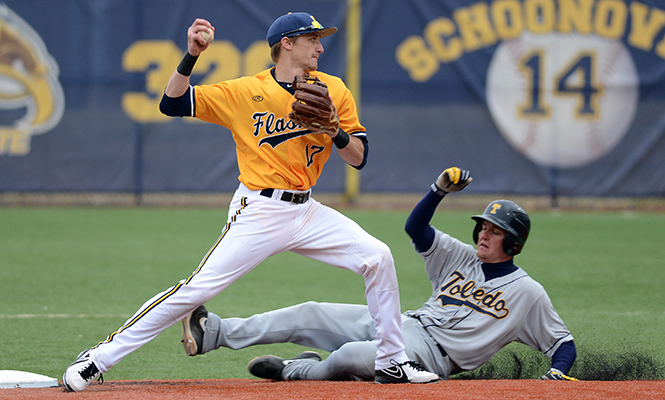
x=417 y=224
x=564 y=357
x=199 y=36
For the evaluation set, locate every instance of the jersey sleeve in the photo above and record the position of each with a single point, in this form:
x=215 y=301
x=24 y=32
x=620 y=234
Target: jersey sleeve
x=345 y=104
x=217 y=103
x=445 y=255
x=182 y=106
x=348 y=116
x=543 y=329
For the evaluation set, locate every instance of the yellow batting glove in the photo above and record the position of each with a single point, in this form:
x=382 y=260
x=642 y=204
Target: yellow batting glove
x=452 y=179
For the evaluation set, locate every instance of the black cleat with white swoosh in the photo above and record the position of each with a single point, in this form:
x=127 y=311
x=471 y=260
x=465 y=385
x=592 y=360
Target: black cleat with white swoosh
x=407 y=372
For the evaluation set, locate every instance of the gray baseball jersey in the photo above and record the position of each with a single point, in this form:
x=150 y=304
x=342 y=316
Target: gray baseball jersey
x=473 y=318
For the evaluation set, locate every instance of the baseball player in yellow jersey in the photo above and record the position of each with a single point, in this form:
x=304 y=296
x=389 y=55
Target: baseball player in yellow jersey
x=274 y=152
x=272 y=210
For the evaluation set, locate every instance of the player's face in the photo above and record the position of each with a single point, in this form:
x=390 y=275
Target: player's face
x=306 y=51
x=490 y=244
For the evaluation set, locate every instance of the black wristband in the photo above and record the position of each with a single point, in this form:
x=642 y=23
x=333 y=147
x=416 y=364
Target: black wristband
x=342 y=139
x=187 y=64
x=438 y=191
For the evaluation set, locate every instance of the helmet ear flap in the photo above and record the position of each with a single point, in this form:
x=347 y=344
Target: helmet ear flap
x=476 y=230
x=511 y=246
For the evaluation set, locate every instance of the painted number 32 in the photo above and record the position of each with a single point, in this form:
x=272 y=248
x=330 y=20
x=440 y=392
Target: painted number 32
x=157 y=59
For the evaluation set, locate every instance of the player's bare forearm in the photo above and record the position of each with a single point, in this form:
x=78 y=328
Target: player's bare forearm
x=199 y=36
x=354 y=152
x=177 y=85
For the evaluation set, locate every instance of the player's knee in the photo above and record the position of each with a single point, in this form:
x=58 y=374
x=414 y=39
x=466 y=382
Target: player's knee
x=354 y=360
x=307 y=308
x=378 y=249
x=381 y=256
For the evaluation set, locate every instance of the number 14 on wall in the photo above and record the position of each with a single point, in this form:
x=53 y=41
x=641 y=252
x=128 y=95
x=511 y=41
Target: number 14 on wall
x=577 y=78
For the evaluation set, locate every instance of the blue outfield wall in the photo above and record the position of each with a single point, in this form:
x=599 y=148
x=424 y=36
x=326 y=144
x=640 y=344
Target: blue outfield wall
x=535 y=97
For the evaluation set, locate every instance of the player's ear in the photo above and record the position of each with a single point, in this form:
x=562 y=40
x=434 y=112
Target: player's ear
x=287 y=43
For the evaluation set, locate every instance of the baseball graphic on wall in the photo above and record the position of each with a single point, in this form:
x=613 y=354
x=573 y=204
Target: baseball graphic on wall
x=562 y=100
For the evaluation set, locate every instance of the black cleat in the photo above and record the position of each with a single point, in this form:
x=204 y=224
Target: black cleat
x=192 y=331
x=271 y=367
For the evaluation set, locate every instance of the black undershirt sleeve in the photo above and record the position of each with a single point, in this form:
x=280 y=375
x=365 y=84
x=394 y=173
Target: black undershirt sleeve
x=182 y=106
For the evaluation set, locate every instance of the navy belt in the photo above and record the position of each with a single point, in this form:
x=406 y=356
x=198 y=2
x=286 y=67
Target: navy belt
x=443 y=352
x=441 y=349
x=296 y=198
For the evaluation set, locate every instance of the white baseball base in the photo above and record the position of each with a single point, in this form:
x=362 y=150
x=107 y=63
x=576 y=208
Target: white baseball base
x=10 y=379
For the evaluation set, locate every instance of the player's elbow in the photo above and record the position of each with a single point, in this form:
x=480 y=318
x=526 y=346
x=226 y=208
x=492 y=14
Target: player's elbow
x=181 y=106
x=410 y=227
x=365 y=151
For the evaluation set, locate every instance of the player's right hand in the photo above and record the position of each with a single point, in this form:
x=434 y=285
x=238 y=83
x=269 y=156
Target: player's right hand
x=196 y=44
x=453 y=179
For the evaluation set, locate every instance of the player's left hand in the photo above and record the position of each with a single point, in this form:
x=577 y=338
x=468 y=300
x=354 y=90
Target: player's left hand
x=453 y=179
x=555 y=375
x=313 y=108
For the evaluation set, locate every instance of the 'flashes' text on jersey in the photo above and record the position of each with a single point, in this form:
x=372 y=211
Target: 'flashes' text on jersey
x=267 y=123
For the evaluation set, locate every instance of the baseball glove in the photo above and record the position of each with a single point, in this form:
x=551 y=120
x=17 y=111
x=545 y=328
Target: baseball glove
x=313 y=108
x=555 y=375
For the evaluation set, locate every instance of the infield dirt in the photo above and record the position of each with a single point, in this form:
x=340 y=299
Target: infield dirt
x=297 y=390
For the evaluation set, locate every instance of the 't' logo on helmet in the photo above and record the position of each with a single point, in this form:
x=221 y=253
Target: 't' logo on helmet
x=495 y=208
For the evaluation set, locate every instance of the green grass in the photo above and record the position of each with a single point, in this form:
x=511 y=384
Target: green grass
x=96 y=266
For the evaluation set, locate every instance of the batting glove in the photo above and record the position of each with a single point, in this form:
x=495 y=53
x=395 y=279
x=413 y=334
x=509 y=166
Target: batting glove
x=555 y=375
x=452 y=179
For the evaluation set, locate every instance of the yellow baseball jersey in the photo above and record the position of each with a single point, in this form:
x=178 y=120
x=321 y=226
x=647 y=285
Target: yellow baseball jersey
x=273 y=151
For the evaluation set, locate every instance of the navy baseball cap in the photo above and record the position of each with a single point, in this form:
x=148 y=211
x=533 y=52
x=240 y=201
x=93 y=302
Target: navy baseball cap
x=294 y=24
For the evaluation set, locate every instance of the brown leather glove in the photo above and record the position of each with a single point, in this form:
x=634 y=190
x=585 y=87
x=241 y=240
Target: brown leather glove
x=313 y=108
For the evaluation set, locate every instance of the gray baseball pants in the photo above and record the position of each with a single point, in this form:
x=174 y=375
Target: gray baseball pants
x=345 y=330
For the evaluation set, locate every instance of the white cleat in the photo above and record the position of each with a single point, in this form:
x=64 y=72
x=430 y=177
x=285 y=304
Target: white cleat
x=82 y=371
x=406 y=372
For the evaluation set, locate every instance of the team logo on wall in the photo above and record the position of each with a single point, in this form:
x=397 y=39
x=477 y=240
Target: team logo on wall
x=31 y=98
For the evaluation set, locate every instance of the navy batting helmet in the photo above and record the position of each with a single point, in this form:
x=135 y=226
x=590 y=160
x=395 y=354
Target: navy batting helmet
x=510 y=217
